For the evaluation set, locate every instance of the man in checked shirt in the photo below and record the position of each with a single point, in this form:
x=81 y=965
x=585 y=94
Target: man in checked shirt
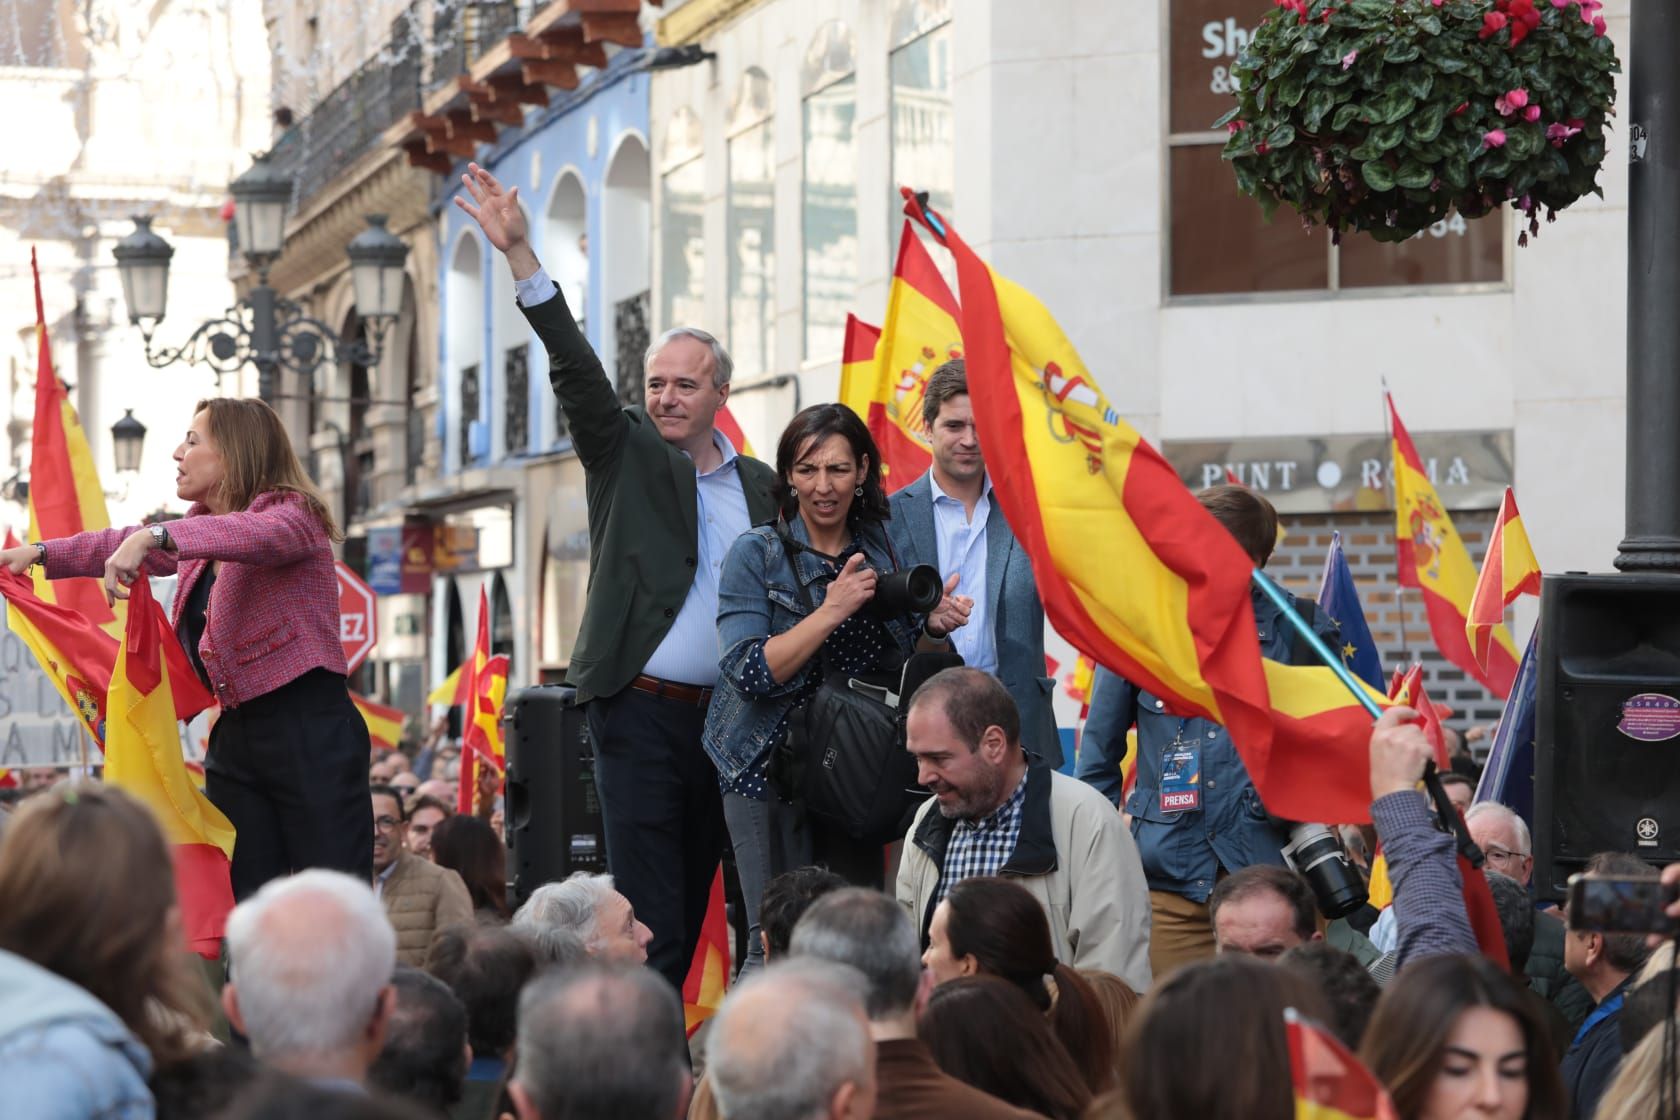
x=993 y=814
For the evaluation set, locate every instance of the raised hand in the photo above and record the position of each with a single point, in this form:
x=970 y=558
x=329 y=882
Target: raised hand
x=952 y=611
x=495 y=210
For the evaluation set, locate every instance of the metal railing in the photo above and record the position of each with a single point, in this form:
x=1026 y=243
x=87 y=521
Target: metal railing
x=463 y=30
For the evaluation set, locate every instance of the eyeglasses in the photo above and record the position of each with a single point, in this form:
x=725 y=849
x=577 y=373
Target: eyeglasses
x=385 y=824
x=1500 y=855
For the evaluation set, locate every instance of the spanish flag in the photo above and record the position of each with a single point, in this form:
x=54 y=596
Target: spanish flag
x=484 y=679
x=384 y=724
x=143 y=757
x=65 y=497
x=708 y=972
x=1411 y=694
x=1330 y=1083
x=1433 y=559
x=920 y=334
x=1130 y=568
x=449 y=692
x=78 y=656
x=1509 y=569
x=726 y=423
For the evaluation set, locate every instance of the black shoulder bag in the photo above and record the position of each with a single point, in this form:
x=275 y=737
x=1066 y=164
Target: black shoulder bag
x=843 y=756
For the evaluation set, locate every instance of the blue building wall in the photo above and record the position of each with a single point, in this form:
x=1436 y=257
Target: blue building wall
x=554 y=140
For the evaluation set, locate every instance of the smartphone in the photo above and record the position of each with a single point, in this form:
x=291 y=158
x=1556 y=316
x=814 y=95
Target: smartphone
x=1610 y=905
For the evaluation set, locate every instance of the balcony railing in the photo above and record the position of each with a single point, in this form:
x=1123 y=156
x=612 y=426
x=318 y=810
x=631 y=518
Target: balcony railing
x=463 y=30
x=630 y=342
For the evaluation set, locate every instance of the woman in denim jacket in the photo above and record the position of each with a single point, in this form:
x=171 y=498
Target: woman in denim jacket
x=833 y=508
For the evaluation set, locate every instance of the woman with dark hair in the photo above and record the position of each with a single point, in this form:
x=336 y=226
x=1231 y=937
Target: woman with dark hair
x=1218 y=1026
x=97 y=987
x=985 y=1032
x=792 y=599
x=1455 y=1036
x=470 y=847
x=256 y=607
x=989 y=926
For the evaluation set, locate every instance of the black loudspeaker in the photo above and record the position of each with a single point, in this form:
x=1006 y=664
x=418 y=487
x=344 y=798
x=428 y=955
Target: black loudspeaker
x=1607 y=734
x=553 y=812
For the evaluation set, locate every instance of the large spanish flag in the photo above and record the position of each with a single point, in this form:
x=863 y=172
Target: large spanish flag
x=143 y=757
x=1131 y=569
x=1433 y=559
x=1330 y=1083
x=65 y=497
x=921 y=332
x=1509 y=569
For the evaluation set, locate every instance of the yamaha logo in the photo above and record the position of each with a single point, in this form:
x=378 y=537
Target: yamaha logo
x=1647 y=830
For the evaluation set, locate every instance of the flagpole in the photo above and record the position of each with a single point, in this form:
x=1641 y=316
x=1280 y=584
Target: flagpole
x=1280 y=597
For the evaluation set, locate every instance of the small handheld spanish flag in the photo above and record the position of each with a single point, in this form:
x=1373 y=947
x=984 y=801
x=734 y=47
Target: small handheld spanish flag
x=1330 y=1083
x=1508 y=570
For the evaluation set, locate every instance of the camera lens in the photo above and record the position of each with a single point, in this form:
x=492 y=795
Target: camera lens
x=914 y=590
x=1315 y=852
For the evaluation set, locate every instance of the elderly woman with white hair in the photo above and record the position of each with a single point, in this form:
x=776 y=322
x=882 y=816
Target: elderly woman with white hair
x=583 y=915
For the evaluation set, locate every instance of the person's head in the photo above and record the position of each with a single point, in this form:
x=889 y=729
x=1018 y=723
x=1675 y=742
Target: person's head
x=425 y=1055
x=786 y=898
x=310 y=961
x=273 y=1095
x=1516 y=918
x=965 y=731
x=985 y=1032
x=601 y=1040
x=470 y=847
x=425 y=813
x=949 y=419
x=1456 y=1037
x=1636 y=1091
x=1263 y=911
x=828 y=471
x=1345 y=984
x=1246 y=515
x=485 y=966
x=438 y=790
x=1460 y=790
x=873 y=934
x=235 y=449
x=591 y=909
x=1454 y=741
x=1218 y=1025
x=34 y=779
x=405 y=784
x=390 y=826
x=204 y=1083
x=1601 y=961
x=1503 y=838
x=686 y=374
x=87 y=892
x=793 y=1043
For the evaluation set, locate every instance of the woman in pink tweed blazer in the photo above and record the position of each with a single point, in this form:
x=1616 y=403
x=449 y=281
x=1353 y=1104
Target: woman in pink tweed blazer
x=256 y=607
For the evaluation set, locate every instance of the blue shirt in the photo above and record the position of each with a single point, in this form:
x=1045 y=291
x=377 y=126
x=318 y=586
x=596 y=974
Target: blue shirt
x=961 y=541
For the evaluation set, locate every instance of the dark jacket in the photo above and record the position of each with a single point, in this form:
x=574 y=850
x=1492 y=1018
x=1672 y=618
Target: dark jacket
x=1591 y=1062
x=643 y=549
x=1183 y=851
x=1548 y=978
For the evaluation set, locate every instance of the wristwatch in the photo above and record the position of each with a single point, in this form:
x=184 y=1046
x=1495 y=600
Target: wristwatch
x=40 y=554
x=160 y=536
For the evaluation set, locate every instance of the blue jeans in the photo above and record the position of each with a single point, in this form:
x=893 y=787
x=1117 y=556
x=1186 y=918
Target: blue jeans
x=770 y=837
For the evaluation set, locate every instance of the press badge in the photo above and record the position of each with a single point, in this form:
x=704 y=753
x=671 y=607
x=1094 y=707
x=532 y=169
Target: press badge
x=1181 y=777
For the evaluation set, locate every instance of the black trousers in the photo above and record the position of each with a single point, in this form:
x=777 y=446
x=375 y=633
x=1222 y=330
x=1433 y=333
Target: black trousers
x=663 y=815
x=290 y=770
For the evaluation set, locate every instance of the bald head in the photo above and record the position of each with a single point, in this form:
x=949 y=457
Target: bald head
x=794 y=1041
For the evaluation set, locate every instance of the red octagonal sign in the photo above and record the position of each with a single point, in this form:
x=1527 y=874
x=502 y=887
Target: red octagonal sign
x=358 y=625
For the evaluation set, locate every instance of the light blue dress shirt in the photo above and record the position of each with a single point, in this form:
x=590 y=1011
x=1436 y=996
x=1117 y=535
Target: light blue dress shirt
x=534 y=289
x=961 y=542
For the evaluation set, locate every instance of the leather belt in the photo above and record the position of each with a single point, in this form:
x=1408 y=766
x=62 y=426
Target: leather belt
x=672 y=690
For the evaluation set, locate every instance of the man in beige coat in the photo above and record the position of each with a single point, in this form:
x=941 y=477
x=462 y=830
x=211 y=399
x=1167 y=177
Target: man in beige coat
x=992 y=814
x=419 y=897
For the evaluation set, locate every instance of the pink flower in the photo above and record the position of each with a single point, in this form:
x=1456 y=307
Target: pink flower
x=1531 y=114
x=1599 y=26
x=1347 y=59
x=1438 y=3
x=1462 y=105
x=1235 y=126
x=1492 y=24
x=1589 y=9
x=1562 y=3
x=1559 y=133
x=1494 y=138
x=1508 y=103
x=1262 y=148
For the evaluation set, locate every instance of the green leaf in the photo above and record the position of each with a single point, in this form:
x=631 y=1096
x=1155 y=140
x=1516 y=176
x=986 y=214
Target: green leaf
x=1389 y=135
x=1367 y=150
x=1418 y=82
x=1226 y=118
x=1345 y=115
x=1281 y=137
x=1447 y=64
x=1400 y=107
x=1425 y=127
x=1377 y=175
x=1495 y=165
x=1291 y=90
x=1402 y=52
x=1319 y=102
x=1414 y=175
x=1456 y=171
x=1429 y=23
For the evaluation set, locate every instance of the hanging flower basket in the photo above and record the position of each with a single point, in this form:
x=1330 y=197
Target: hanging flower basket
x=1386 y=116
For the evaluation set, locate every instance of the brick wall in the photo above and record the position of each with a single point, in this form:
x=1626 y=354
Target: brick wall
x=1398 y=624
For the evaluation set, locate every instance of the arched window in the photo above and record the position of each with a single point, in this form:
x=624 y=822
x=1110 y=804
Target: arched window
x=829 y=85
x=464 y=357
x=626 y=209
x=512 y=344
x=501 y=619
x=566 y=251
x=682 y=235
x=751 y=241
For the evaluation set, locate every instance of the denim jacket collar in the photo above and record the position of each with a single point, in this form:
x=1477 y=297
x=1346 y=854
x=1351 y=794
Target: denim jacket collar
x=808 y=567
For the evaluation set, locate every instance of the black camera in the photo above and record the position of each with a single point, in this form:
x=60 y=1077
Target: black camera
x=1314 y=851
x=914 y=590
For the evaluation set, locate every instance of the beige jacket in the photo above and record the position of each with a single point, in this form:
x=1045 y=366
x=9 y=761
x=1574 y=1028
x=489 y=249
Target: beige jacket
x=421 y=898
x=1076 y=858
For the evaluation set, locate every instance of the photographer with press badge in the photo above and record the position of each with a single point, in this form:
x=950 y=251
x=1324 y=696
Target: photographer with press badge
x=1195 y=813
x=816 y=624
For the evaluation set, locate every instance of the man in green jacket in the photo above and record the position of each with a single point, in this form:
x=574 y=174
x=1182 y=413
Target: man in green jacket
x=667 y=495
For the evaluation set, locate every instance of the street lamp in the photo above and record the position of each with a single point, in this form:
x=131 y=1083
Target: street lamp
x=128 y=435
x=269 y=332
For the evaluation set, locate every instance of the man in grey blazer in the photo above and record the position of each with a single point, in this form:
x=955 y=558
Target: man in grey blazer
x=947 y=518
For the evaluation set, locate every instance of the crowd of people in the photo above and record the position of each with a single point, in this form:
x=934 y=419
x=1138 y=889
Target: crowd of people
x=1020 y=942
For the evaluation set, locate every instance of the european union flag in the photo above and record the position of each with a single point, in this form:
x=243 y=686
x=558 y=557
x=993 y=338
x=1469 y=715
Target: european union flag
x=1338 y=599
x=1508 y=777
